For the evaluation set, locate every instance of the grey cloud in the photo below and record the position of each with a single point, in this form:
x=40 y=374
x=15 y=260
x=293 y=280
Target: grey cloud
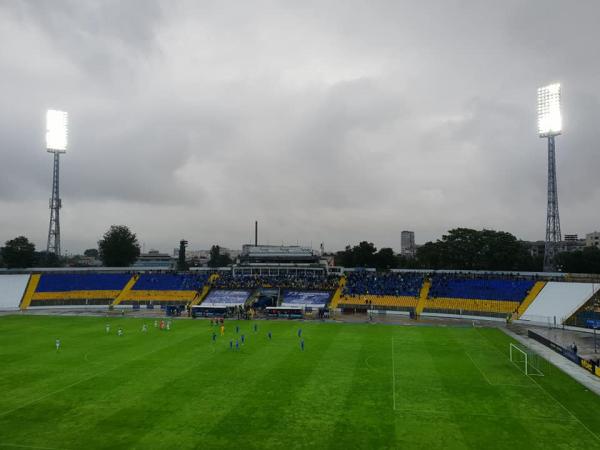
x=327 y=121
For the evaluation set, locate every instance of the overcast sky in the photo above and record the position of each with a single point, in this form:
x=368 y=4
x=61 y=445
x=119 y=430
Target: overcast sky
x=327 y=121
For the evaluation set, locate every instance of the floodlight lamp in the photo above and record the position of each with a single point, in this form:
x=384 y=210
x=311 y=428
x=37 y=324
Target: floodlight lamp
x=56 y=130
x=549 y=116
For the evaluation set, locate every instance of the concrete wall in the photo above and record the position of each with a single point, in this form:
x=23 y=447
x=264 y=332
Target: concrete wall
x=12 y=288
x=559 y=301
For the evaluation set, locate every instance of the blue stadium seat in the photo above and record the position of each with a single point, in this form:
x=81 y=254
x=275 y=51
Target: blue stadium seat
x=65 y=282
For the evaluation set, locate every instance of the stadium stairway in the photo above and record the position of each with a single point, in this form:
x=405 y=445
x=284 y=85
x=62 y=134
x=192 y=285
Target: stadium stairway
x=253 y=297
x=423 y=294
x=338 y=293
x=32 y=285
x=205 y=290
x=119 y=298
x=533 y=293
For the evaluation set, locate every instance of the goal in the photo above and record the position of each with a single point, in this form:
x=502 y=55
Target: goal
x=527 y=361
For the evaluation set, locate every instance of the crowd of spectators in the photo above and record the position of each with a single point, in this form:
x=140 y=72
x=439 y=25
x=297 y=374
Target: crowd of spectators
x=400 y=284
x=306 y=282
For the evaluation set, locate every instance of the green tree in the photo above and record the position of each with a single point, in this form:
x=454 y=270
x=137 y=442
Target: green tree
x=344 y=257
x=385 y=259
x=364 y=254
x=18 y=253
x=407 y=262
x=361 y=255
x=118 y=247
x=218 y=259
x=582 y=261
x=430 y=255
x=45 y=259
x=182 y=260
x=91 y=253
x=467 y=249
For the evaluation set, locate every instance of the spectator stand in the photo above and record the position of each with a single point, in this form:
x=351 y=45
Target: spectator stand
x=78 y=289
x=370 y=290
x=165 y=288
x=222 y=303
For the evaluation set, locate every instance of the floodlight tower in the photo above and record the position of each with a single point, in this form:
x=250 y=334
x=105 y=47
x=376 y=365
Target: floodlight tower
x=56 y=143
x=550 y=126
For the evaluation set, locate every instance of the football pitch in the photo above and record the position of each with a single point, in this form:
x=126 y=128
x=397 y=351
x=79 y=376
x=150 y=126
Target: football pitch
x=354 y=386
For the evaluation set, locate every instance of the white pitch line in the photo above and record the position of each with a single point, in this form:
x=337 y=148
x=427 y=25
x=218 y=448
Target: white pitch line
x=549 y=394
x=3 y=444
x=102 y=372
x=488 y=380
x=480 y=371
x=393 y=377
x=492 y=416
x=564 y=407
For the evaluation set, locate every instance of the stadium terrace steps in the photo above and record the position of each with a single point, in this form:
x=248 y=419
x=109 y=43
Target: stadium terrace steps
x=158 y=296
x=379 y=300
x=71 y=295
x=338 y=293
x=78 y=288
x=205 y=290
x=125 y=290
x=423 y=295
x=165 y=287
x=480 y=288
x=533 y=293
x=32 y=285
x=253 y=297
x=470 y=304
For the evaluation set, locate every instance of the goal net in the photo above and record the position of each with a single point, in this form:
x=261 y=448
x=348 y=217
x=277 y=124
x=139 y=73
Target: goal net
x=527 y=361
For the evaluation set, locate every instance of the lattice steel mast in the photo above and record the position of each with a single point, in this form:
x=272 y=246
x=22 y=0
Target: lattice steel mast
x=550 y=126
x=55 y=205
x=56 y=143
x=553 y=236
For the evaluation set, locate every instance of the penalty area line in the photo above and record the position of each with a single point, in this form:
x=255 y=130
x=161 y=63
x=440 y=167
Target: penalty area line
x=543 y=389
x=5 y=444
x=564 y=407
x=491 y=416
x=528 y=386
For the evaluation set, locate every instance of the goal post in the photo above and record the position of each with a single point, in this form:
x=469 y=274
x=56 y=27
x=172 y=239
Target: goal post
x=527 y=361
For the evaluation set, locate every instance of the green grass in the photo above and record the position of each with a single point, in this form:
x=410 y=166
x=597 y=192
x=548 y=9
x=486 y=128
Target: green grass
x=355 y=386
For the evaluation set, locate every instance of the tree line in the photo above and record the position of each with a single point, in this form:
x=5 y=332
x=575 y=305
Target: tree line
x=468 y=249
x=459 y=249
x=118 y=247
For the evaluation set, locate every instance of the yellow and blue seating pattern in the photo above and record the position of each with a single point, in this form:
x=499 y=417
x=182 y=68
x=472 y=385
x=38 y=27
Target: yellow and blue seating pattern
x=444 y=293
x=165 y=287
x=78 y=288
x=89 y=288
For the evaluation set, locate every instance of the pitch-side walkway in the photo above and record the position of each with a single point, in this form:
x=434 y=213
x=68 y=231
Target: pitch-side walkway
x=586 y=378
